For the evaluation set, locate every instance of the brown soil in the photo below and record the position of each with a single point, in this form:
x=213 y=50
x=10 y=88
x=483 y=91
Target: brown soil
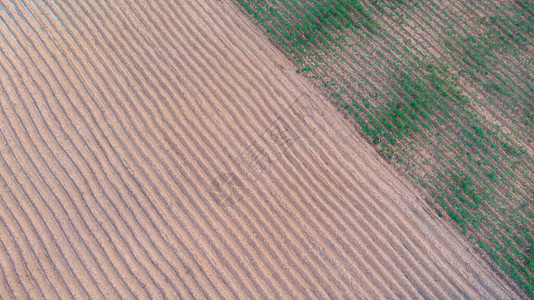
x=165 y=149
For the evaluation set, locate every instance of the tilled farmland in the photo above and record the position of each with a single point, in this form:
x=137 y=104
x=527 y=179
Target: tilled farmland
x=168 y=149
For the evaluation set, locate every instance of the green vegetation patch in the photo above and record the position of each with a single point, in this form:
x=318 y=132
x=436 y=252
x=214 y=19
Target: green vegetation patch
x=443 y=91
x=300 y=24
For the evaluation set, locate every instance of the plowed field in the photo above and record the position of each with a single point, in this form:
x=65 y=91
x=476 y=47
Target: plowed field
x=167 y=149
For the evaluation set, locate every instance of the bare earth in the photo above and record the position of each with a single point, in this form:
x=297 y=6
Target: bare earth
x=165 y=149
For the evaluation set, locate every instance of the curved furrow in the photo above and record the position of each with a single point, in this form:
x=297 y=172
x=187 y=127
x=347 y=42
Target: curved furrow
x=9 y=264
x=93 y=209
x=137 y=185
x=108 y=237
x=114 y=208
x=29 y=258
x=15 y=135
x=47 y=270
x=44 y=229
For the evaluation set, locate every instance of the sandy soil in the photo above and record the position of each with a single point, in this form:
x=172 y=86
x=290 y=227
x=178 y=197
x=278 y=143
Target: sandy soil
x=165 y=149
